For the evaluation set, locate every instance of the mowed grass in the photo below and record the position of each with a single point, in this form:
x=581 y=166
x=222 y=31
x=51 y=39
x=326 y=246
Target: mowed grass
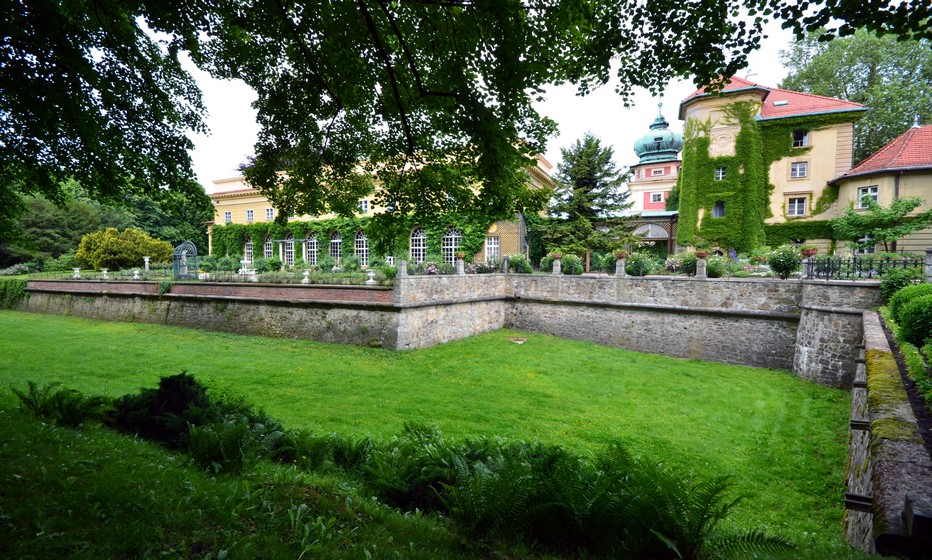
x=781 y=439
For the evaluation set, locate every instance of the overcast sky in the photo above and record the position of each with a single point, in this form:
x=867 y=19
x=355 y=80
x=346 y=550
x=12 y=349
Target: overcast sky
x=233 y=125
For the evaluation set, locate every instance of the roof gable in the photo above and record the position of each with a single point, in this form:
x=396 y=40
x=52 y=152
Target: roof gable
x=910 y=150
x=779 y=103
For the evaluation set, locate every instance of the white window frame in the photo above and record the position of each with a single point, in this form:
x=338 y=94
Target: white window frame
x=799 y=169
x=390 y=261
x=310 y=250
x=418 y=244
x=363 y=206
x=267 y=247
x=870 y=250
x=289 y=250
x=336 y=246
x=803 y=140
x=872 y=191
x=250 y=216
x=492 y=248
x=656 y=172
x=247 y=251
x=721 y=173
x=658 y=196
x=228 y=217
x=269 y=214
x=793 y=205
x=718 y=210
x=361 y=248
x=450 y=244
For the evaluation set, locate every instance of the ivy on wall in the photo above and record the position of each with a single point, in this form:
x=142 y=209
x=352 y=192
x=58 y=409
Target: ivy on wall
x=781 y=234
x=745 y=191
x=230 y=239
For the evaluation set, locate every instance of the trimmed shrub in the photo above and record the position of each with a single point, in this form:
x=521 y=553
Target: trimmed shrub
x=894 y=279
x=115 y=249
x=904 y=296
x=571 y=264
x=639 y=264
x=546 y=264
x=785 y=260
x=519 y=264
x=915 y=320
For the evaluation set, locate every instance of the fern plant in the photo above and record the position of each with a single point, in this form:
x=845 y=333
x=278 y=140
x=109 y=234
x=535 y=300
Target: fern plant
x=231 y=446
x=62 y=406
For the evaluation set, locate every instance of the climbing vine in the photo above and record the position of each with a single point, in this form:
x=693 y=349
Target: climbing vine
x=743 y=194
x=230 y=239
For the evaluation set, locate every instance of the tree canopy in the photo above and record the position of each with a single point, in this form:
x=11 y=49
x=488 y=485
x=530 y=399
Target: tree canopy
x=430 y=97
x=587 y=200
x=892 y=78
x=877 y=224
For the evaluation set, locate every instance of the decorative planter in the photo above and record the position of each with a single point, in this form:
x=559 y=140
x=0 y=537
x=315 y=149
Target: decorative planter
x=461 y=255
x=556 y=255
x=808 y=252
x=621 y=255
x=702 y=254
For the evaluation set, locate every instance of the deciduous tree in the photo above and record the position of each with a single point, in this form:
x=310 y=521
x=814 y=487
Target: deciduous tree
x=432 y=97
x=892 y=78
x=864 y=229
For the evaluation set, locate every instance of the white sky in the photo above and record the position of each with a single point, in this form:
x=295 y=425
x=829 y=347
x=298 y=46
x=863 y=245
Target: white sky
x=234 y=130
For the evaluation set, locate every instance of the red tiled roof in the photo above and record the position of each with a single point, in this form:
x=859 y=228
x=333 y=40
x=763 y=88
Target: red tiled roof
x=911 y=150
x=779 y=103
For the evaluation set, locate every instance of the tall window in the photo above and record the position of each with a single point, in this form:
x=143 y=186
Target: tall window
x=363 y=206
x=796 y=207
x=289 y=250
x=720 y=173
x=799 y=169
x=361 y=248
x=227 y=217
x=269 y=214
x=310 y=249
x=718 y=211
x=800 y=138
x=491 y=248
x=247 y=251
x=335 y=245
x=418 y=245
x=250 y=215
x=451 y=244
x=865 y=193
x=267 y=247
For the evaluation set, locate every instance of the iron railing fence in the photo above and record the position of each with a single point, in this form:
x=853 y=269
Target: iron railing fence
x=853 y=268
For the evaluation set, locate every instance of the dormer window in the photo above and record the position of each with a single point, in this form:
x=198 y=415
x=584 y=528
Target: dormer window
x=800 y=138
x=781 y=103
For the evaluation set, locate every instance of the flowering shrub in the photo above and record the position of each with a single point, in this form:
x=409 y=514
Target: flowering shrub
x=482 y=268
x=673 y=264
x=431 y=268
x=639 y=264
x=785 y=260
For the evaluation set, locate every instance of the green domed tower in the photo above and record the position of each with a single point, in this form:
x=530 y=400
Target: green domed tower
x=656 y=171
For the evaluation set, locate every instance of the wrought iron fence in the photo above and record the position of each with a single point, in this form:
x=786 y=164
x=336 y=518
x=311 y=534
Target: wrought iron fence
x=853 y=268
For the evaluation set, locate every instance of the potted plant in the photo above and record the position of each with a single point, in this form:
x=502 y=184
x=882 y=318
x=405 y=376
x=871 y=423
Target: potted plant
x=461 y=256
x=701 y=254
x=808 y=250
x=621 y=254
x=556 y=255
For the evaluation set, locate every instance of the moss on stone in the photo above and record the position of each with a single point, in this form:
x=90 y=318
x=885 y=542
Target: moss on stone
x=894 y=429
x=884 y=384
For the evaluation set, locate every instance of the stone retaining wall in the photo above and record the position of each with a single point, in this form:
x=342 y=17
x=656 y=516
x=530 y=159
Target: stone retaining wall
x=889 y=495
x=811 y=327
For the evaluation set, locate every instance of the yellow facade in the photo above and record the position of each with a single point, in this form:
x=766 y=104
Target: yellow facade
x=237 y=203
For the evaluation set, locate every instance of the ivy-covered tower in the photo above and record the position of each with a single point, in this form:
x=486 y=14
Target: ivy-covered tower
x=654 y=176
x=754 y=155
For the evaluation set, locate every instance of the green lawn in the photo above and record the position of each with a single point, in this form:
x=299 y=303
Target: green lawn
x=781 y=439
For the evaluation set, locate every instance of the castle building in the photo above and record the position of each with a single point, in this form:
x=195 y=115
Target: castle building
x=902 y=168
x=756 y=155
x=304 y=240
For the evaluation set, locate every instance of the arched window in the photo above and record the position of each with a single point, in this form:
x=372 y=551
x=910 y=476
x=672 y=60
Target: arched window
x=718 y=211
x=310 y=249
x=335 y=246
x=267 y=247
x=247 y=251
x=418 y=245
x=289 y=250
x=451 y=244
x=361 y=248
